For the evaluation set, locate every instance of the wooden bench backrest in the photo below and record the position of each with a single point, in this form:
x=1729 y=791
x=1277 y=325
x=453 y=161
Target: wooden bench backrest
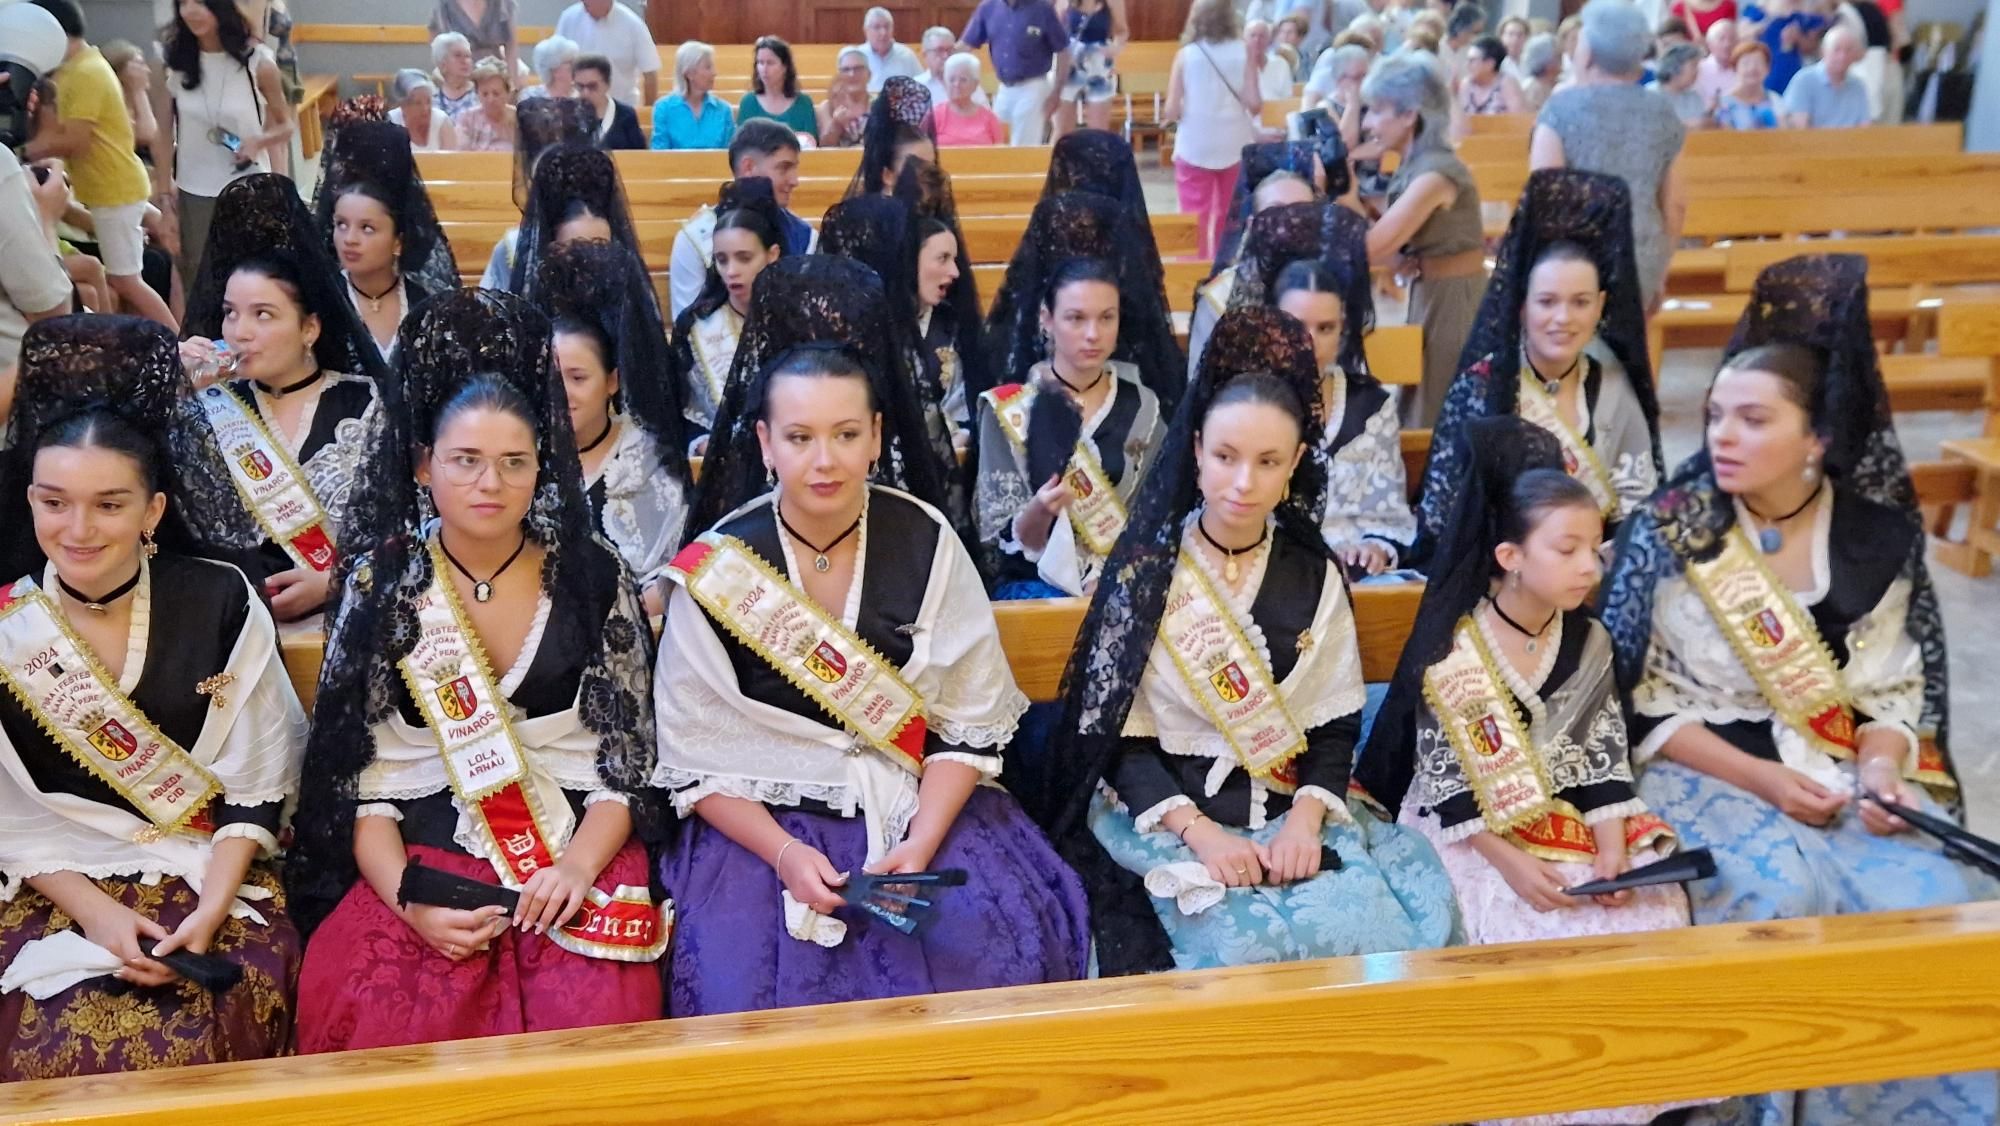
x=1969 y=326
x=1390 y=1039
x=1038 y=636
x=712 y=165
x=1792 y=176
x=1872 y=141
x=1866 y=209
x=1905 y=260
x=975 y=194
x=989 y=238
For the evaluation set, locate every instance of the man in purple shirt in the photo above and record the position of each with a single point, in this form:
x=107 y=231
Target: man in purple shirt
x=1026 y=40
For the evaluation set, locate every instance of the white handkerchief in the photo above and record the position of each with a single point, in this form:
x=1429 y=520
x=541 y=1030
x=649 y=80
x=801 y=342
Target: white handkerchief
x=1188 y=884
x=808 y=925
x=47 y=966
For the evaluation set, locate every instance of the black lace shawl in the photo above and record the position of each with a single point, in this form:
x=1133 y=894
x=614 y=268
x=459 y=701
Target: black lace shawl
x=377 y=154
x=262 y=214
x=604 y=284
x=926 y=189
x=880 y=232
x=130 y=367
x=751 y=193
x=814 y=302
x=569 y=174
x=1558 y=205
x=1124 y=617
x=1499 y=449
x=1820 y=302
x=541 y=124
x=1097 y=160
x=1086 y=225
x=449 y=339
x=902 y=102
x=1259 y=161
x=1335 y=237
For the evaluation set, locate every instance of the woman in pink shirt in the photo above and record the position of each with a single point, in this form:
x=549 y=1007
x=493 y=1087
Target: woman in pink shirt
x=962 y=121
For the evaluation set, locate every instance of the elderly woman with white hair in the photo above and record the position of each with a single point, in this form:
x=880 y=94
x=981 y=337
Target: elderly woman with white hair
x=961 y=119
x=487 y=25
x=415 y=98
x=1431 y=230
x=451 y=70
x=843 y=115
x=691 y=116
x=1606 y=122
x=553 y=60
x=1541 y=69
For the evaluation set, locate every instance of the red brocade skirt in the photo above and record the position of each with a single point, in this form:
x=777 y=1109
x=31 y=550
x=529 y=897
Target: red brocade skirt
x=104 y=1025
x=369 y=981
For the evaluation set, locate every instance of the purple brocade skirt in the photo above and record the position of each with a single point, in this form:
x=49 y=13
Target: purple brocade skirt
x=105 y=1025
x=1021 y=918
x=370 y=981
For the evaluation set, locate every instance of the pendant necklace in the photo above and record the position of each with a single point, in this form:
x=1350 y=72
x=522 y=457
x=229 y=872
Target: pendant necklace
x=1534 y=636
x=597 y=441
x=1230 y=571
x=1552 y=386
x=482 y=589
x=102 y=604
x=374 y=299
x=820 y=561
x=1770 y=539
x=1073 y=388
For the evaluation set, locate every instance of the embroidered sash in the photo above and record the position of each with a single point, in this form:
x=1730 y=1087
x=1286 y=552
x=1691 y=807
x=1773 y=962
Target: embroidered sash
x=1231 y=680
x=273 y=486
x=1484 y=727
x=1579 y=459
x=813 y=651
x=1217 y=289
x=452 y=682
x=1777 y=644
x=713 y=340
x=73 y=698
x=1095 y=512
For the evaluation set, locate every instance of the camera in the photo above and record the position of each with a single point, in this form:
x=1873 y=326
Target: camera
x=31 y=45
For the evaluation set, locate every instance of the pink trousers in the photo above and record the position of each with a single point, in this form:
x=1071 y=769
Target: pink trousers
x=1205 y=193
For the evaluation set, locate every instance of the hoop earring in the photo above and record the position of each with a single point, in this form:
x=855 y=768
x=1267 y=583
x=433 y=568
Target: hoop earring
x=147 y=546
x=871 y=468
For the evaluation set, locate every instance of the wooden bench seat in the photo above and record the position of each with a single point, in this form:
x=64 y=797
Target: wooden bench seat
x=1890 y=141
x=1386 y=1040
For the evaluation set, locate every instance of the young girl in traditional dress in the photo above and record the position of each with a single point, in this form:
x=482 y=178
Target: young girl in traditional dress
x=375 y=213
x=1503 y=736
x=149 y=738
x=612 y=353
x=483 y=712
x=303 y=400
x=1564 y=278
x=749 y=236
x=1775 y=620
x=1311 y=261
x=1215 y=697
x=575 y=193
x=832 y=693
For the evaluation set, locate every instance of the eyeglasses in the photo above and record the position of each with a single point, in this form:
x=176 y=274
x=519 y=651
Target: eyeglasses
x=515 y=470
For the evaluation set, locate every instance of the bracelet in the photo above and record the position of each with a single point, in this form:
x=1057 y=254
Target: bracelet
x=1192 y=822
x=778 y=862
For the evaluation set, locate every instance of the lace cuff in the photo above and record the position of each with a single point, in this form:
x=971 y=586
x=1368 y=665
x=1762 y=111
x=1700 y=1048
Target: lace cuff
x=1336 y=809
x=596 y=796
x=1600 y=815
x=1646 y=748
x=988 y=766
x=1150 y=820
x=267 y=845
x=378 y=809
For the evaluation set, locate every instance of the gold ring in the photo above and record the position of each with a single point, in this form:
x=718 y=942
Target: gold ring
x=1242 y=871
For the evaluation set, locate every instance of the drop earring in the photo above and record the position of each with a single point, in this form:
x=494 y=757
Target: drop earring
x=147 y=546
x=1811 y=472
x=770 y=476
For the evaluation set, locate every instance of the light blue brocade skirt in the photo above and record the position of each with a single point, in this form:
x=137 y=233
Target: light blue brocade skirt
x=1390 y=894
x=1769 y=866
